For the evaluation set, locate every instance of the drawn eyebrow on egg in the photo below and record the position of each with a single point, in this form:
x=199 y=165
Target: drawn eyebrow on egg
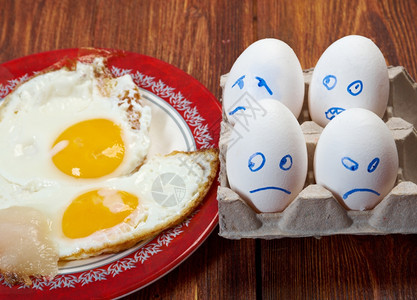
x=240 y=83
x=262 y=83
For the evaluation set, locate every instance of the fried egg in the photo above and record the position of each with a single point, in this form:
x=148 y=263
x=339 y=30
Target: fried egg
x=73 y=124
x=114 y=214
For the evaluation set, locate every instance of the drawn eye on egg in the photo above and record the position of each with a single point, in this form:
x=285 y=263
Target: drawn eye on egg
x=355 y=88
x=373 y=165
x=256 y=161
x=329 y=82
x=286 y=162
x=349 y=163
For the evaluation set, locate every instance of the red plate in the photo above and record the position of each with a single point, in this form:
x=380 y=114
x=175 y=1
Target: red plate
x=117 y=275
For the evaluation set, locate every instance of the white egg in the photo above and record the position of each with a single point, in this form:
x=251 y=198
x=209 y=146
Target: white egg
x=266 y=162
x=351 y=73
x=35 y=114
x=268 y=68
x=356 y=158
x=160 y=194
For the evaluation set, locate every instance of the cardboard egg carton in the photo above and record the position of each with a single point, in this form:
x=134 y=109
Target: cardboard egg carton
x=315 y=211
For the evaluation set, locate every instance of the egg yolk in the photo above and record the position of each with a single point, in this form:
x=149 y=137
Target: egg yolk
x=97 y=210
x=89 y=149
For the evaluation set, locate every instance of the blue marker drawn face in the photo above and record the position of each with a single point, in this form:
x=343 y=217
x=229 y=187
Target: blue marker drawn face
x=355 y=88
x=257 y=161
x=352 y=165
x=242 y=104
x=329 y=82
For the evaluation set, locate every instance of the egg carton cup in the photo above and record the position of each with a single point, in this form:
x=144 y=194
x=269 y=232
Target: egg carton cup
x=315 y=211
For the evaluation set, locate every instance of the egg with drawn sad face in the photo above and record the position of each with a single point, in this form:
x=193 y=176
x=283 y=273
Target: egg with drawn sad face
x=266 y=161
x=356 y=158
x=268 y=68
x=351 y=73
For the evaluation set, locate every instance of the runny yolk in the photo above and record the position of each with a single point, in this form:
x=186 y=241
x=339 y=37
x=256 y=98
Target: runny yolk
x=89 y=149
x=96 y=210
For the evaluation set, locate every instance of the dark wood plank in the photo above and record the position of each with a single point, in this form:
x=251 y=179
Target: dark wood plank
x=201 y=38
x=347 y=267
x=220 y=269
x=310 y=27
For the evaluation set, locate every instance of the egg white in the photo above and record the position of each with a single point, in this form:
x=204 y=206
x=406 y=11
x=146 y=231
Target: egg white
x=194 y=170
x=39 y=110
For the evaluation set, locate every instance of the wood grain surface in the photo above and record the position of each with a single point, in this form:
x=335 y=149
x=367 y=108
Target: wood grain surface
x=204 y=38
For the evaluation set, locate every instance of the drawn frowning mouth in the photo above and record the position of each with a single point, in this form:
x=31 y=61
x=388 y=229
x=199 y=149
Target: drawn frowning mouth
x=270 y=188
x=236 y=110
x=348 y=193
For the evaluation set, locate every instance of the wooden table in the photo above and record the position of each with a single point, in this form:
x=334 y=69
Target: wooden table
x=204 y=38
